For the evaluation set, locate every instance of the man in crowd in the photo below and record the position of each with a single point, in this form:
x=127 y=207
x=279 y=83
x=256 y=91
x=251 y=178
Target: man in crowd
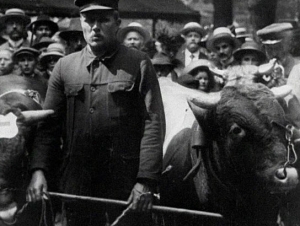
x=49 y=58
x=108 y=98
x=192 y=33
x=6 y=62
x=134 y=36
x=73 y=36
x=276 y=40
x=42 y=27
x=15 y=22
x=223 y=43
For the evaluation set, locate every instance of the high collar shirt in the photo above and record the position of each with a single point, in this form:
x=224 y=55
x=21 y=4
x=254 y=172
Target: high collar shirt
x=188 y=58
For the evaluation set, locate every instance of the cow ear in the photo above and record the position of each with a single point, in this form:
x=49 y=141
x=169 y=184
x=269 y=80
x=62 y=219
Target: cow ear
x=31 y=117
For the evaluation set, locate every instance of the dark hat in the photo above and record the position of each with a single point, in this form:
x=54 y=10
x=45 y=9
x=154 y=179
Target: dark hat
x=202 y=63
x=273 y=33
x=161 y=59
x=43 y=19
x=134 y=26
x=73 y=29
x=250 y=47
x=25 y=50
x=15 y=13
x=193 y=26
x=221 y=33
x=43 y=43
x=88 y=5
x=54 y=49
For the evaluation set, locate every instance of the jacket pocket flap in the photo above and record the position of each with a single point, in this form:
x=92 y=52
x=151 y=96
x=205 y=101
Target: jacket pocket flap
x=120 y=86
x=73 y=90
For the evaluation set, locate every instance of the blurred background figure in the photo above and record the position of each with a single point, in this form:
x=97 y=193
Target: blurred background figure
x=42 y=27
x=192 y=33
x=6 y=62
x=15 y=22
x=43 y=44
x=133 y=36
x=223 y=43
x=27 y=58
x=241 y=34
x=250 y=53
x=198 y=75
x=73 y=36
x=49 y=58
x=163 y=66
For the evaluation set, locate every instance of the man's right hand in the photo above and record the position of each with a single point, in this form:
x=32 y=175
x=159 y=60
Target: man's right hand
x=37 y=186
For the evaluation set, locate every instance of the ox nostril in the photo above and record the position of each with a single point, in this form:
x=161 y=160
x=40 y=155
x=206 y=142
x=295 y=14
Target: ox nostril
x=281 y=174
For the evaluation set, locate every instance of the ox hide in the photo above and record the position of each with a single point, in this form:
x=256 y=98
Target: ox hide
x=240 y=172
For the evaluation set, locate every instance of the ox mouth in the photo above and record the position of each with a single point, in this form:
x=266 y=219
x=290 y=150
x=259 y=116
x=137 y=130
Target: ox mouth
x=8 y=213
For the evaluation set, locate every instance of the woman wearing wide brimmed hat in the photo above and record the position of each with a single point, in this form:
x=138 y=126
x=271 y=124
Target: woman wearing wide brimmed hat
x=133 y=36
x=49 y=58
x=250 y=53
x=197 y=75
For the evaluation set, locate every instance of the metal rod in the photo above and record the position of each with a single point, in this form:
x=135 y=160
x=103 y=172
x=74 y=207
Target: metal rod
x=155 y=208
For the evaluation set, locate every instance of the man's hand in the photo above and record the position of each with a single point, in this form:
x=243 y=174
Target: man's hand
x=37 y=186
x=141 y=198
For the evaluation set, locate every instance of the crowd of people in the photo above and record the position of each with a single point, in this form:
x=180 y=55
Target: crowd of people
x=103 y=84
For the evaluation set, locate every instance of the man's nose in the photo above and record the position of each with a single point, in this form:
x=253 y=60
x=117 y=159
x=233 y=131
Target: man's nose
x=2 y=61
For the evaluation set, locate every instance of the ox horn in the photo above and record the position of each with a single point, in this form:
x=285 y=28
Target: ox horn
x=206 y=100
x=282 y=91
x=30 y=117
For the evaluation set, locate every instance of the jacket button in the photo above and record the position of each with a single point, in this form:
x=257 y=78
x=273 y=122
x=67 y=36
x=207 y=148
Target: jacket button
x=92 y=110
x=93 y=88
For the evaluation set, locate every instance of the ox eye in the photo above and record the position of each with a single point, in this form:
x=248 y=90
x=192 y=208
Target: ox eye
x=237 y=131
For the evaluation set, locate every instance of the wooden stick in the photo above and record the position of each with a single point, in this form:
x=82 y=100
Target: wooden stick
x=155 y=208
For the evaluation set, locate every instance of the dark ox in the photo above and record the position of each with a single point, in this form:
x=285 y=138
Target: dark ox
x=22 y=97
x=240 y=171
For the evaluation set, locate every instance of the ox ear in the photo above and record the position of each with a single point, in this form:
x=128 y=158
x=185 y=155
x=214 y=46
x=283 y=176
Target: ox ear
x=31 y=117
x=206 y=100
x=281 y=91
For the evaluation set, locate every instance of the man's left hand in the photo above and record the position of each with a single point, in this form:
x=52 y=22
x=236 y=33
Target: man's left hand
x=141 y=198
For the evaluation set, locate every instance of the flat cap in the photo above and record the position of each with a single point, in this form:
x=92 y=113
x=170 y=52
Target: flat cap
x=88 y=5
x=273 y=33
x=27 y=51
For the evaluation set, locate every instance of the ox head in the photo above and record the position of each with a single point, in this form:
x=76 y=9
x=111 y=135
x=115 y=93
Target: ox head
x=18 y=115
x=242 y=125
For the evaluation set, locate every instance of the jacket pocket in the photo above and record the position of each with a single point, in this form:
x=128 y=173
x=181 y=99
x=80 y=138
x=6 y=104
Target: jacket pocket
x=117 y=86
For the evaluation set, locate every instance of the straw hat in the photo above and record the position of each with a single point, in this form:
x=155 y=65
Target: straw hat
x=250 y=47
x=73 y=29
x=15 y=13
x=54 y=49
x=134 y=26
x=193 y=26
x=273 y=33
x=43 y=19
x=221 y=33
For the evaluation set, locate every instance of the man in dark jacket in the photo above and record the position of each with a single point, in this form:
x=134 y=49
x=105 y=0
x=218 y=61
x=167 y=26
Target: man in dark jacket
x=109 y=100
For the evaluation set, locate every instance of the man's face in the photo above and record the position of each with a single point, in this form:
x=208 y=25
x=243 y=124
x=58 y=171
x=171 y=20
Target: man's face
x=76 y=43
x=27 y=64
x=99 y=29
x=224 y=50
x=51 y=61
x=275 y=51
x=133 y=40
x=6 y=62
x=43 y=30
x=192 y=40
x=162 y=70
x=15 y=29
